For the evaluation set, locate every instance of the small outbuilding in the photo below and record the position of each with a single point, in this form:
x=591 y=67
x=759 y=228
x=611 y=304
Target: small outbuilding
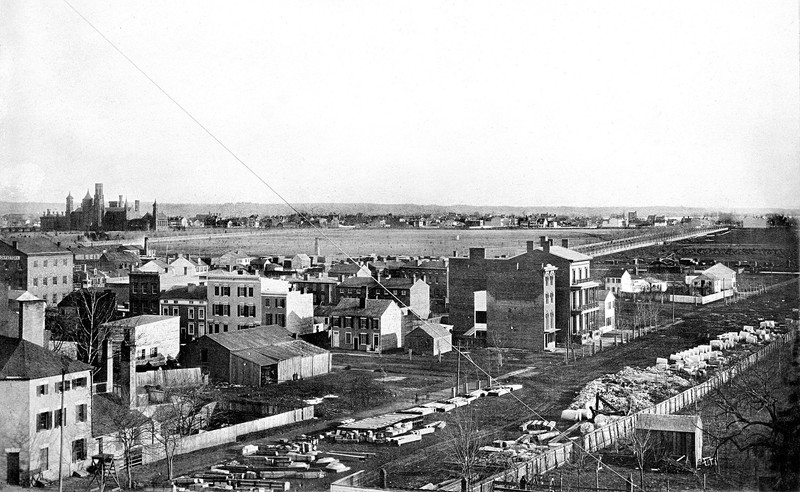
x=430 y=339
x=678 y=435
x=256 y=356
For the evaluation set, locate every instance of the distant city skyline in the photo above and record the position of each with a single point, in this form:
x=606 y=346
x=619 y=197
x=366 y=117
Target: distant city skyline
x=510 y=104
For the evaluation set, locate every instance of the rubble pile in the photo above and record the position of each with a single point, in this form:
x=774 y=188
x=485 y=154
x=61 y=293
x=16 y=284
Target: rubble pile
x=630 y=390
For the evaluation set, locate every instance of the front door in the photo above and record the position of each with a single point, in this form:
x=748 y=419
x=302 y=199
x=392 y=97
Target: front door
x=12 y=468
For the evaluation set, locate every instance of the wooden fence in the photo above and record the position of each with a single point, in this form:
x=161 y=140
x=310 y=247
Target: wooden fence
x=620 y=429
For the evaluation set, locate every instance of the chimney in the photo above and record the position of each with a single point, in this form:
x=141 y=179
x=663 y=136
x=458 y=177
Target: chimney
x=108 y=353
x=127 y=373
x=455 y=254
x=316 y=247
x=31 y=320
x=565 y=243
x=530 y=246
x=362 y=300
x=14 y=244
x=545 y=243
x=477 y=253
x=119 y=203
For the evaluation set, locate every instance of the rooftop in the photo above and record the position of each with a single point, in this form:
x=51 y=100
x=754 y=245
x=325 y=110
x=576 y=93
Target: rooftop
x=197 y=292
x=21 y=359
x=36 y=246
x=372 y=307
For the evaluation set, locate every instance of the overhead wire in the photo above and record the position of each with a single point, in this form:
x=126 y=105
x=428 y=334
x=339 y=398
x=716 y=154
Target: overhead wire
x=303 y=215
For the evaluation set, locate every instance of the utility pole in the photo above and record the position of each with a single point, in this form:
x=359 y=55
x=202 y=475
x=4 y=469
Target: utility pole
x=61 y=438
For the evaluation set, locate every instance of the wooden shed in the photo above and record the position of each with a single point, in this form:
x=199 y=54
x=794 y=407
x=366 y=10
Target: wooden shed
x=256 y=356
x=675 y=435
x=430 y=339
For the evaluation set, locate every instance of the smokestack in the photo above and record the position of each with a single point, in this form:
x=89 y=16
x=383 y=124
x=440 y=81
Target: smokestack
x=136 y=205
x=119 y=203
x=565 y=243
x=316 y=247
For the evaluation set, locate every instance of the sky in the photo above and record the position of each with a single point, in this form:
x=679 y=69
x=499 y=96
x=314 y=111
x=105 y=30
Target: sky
x=517 y=103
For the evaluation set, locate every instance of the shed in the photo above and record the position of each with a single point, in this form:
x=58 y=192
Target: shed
x=256 y=356
x=430 y=339
x=680 y=435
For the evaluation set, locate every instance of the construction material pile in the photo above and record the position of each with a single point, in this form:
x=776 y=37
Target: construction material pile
x=538 y=436
x=265 y=468
x=629 y=390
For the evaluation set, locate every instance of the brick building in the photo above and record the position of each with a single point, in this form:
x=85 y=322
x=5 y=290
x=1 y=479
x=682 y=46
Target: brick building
x=190 y=303
x=407 y=292
x=144 y=292
x=234 y=301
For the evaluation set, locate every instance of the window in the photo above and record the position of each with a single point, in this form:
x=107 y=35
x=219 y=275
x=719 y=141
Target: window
x=216 y=290
x=226 y=310
x=41 y=389
x=226 y=291
x=203 y=355
x=64 y=262
x=142 y=354
x=281 y=303
x=166 y=311
x=44 y=421
x=55 y=280
x=153 y=289
x=480 y=316
x=154 y=352
x=44 y=459
x=362 y=338
x=280 y=320
x=348 y=338
x=268 y=319
x=35 y=263
x=35 y=281
x=249 y=292
x=191 y=313
x=266 y=302
x=44 y=263
x=78 y=450
x=79 y=383
x=44 y=280
x=175 y=312
x=201 y=328
x=252 y=310
x=55 y=298
x=59 y=417
x=59 y=385
x=201 y=313
x=64 y=280
x=191 y=328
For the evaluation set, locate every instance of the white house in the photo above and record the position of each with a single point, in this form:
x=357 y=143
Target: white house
x=366 y=324
x=618 y=280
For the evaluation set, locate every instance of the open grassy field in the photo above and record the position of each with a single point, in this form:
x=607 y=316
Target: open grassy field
x=358 y=242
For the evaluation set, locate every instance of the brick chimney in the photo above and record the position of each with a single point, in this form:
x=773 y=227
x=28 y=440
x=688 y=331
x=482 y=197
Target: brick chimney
x=530 y=246
x=565 y=243
x=477 y=253
x=545 y=243
x=31 y=318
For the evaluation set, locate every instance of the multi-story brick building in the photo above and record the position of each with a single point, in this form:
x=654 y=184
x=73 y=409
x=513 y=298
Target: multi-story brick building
x=286 y=308
x=407 y=292
x=144 y=293
x=322 y=288
x=37 y=265
x=577 y=307
x=234 y=301
x=366 y=324
x=433 y=273
x=190 y=303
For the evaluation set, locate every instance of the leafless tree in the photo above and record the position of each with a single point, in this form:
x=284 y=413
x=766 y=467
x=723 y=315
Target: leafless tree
x=464 y=437
x=760 y=410
x=641 y=444
x=128 y=429
x=82 y=321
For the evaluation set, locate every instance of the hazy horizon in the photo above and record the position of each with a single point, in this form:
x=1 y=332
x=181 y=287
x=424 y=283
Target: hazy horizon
x=560 y=104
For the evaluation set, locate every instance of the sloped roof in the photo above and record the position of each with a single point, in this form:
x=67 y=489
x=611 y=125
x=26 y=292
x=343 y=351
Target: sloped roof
x=372 y=308
x=671 y=423
x=719 y=271
x=144 y=319
x=435 y=330
x=197 y=292
x=358 y=282
x=120 y=257
x=36 y=246
x=250 y=338
x=272 y=354
x=342 y=268
x=568 y=254
x=21 y=359
x=615 y=273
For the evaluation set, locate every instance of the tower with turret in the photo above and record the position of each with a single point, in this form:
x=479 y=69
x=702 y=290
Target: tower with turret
x=155 y=215
x=99 y=206
x=68 y=212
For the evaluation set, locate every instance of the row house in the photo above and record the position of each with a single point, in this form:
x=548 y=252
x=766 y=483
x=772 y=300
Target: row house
x=321 y=288
x=234 y=300
x=433 y=273
x=407 y=292
x=286 y=308
x=190 y=304
x=372 y=325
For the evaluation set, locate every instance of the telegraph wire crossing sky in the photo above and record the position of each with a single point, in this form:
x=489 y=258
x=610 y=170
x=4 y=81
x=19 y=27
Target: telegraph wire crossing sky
x=505 y=103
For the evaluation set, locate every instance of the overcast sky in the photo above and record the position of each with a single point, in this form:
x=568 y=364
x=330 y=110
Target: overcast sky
x=583 y=103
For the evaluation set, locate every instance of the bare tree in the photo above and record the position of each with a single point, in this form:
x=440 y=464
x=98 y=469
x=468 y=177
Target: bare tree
x=641 y=444
x=760 y=410
x=464 y=437
x=127 y=429
x=82 y=320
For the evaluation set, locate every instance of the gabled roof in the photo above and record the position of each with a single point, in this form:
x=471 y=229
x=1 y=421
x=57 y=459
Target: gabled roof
x=21 y=359
x=373 y=308
x=435 y=330
x=358 y=282
x=274 y=353
x=258 y=336
x=144 y=319
x=719 y=271
x=345 y=268
x=568 y=254
x=120 y=257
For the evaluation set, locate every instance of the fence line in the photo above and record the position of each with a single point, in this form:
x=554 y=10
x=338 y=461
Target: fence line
x=607 y=435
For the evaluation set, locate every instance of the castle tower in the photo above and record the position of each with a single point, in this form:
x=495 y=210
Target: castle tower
x=86 y=212
x=68 y=212
x=99 y=205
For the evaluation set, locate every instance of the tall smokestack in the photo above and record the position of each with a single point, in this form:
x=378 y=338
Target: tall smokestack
x=316 y=247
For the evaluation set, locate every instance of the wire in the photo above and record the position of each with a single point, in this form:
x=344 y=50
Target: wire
x=292 y=207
